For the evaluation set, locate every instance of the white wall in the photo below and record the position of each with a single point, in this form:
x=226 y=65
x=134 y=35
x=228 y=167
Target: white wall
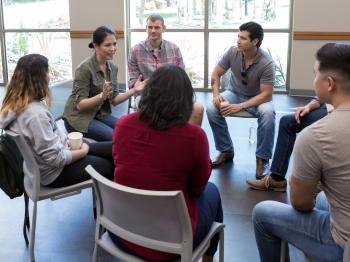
x=314 y=15
x=88 y=15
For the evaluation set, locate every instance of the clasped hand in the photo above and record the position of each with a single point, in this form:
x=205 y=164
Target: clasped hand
x=106 y=90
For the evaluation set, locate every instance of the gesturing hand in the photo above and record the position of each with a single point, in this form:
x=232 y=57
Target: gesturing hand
x=139 y=85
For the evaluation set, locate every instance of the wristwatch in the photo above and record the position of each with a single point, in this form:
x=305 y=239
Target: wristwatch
x=243 y=105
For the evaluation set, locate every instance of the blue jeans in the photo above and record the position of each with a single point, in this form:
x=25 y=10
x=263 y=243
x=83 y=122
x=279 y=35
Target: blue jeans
x=99 y=129
x=287 y=133
x=308 y=231
x=210 y=210
x=266 y=124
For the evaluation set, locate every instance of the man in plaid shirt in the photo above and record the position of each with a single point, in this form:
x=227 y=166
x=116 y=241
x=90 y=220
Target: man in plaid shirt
x=154 y=52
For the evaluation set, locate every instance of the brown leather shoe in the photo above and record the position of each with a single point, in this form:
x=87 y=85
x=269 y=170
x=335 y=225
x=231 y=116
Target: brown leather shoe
x=268 y=183
x=223 y=157
x=262 y=167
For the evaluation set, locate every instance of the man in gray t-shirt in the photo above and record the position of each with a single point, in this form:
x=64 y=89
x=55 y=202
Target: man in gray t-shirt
x=250 y=88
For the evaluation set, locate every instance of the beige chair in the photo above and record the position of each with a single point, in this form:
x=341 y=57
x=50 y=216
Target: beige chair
x=37 y=192
x=157 y=220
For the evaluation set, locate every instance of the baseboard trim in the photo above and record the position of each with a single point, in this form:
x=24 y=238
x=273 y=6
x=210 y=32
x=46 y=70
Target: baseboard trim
x=61 y=83
x=302 y=92
x=122 y=88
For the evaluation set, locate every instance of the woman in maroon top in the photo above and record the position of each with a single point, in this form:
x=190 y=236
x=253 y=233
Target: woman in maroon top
x=156 y=149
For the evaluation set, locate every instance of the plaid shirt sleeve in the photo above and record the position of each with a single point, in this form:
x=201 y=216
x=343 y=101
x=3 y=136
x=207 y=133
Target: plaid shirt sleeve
x=133 y=68
x=180 y=61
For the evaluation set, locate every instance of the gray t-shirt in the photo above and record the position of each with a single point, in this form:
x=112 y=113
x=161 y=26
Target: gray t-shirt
x=322 y=152
x=260 y=71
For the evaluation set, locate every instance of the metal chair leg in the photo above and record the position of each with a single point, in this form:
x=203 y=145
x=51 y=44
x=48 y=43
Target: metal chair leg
x=94 y=202
x=95 y=256
x=26 y=218
x=283 y=251
x=32 y=237
x=221 y=247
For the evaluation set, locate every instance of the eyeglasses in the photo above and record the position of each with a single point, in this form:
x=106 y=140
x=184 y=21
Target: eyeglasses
x=243 y=75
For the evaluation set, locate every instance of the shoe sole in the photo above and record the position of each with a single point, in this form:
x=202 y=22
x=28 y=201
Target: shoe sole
x=223 y=163
x=267 y=189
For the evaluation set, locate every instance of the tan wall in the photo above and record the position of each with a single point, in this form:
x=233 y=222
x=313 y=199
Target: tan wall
x=88 y=15
x=319 y=16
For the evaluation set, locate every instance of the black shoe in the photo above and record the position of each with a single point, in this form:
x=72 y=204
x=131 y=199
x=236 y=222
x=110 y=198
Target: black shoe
x=223 y=157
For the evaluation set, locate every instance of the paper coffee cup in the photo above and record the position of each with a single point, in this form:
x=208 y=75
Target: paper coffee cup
x=225 y=103
x=75 y=140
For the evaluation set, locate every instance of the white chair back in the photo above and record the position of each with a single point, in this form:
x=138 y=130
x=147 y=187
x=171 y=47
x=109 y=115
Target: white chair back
x=35 y=191
x=154 y=219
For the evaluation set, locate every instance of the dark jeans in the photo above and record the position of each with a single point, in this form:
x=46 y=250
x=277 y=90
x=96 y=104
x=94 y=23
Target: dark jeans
x=287 y=134
x=99 y=129
x=99 y=157
x=210 y=210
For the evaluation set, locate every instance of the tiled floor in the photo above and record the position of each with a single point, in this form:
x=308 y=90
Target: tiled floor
x=65 y=228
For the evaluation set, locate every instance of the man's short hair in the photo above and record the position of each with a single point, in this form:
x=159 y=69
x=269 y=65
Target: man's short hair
x=334 y=57
x=155 y=17
x=255 y=31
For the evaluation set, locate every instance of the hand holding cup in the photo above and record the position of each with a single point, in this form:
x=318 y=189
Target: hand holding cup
x=223 y=104
x=75 y=140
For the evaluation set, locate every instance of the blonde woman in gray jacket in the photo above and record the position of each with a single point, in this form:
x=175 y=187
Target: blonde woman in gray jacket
x=25 y=110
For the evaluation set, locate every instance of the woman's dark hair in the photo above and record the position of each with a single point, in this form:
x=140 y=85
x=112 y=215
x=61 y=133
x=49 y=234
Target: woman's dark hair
x=167 y=98
x=255 y=31
x=100 y=34
x=334 y=57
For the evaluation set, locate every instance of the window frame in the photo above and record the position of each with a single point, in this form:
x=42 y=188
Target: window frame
x=3 y=31
x=206 y=30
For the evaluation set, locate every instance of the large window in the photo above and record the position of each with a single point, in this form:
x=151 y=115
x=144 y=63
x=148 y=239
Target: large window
x=204 y=29
x=36 y=26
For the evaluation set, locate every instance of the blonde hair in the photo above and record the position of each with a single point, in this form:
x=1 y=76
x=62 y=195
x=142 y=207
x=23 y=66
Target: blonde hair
x=29 y=82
